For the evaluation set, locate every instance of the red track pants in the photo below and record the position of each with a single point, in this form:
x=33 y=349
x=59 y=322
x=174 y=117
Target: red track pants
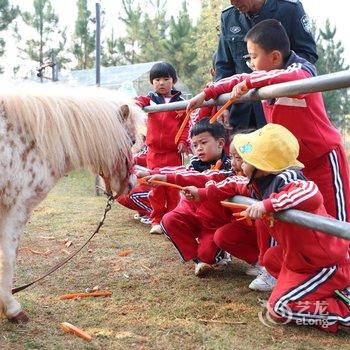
x=308 y=298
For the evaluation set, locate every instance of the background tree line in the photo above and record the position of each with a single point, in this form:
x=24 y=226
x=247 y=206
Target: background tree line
x=148 y=36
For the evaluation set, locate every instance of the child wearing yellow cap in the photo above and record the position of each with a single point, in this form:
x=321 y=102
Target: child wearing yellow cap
x=309 y=265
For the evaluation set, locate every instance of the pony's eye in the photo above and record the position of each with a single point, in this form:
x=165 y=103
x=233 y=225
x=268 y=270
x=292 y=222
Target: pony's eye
x=133 y=142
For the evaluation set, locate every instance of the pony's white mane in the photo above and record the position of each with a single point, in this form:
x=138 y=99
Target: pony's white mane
x=83 y=126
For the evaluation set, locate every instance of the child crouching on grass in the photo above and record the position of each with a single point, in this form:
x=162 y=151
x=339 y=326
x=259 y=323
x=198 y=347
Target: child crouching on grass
x=309 y=265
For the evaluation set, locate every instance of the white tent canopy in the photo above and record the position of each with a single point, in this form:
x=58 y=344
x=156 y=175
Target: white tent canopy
x=131 y=79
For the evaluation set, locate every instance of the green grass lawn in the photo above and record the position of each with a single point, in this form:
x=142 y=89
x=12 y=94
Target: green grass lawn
x=157 y=302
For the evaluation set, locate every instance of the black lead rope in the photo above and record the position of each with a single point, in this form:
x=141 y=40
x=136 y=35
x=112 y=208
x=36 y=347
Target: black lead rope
x=110 y=200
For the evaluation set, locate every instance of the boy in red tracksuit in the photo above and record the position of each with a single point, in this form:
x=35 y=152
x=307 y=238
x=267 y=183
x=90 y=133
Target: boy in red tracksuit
x=192 y=225
x=161 y=131
x=321 y=148
x=309 y=265
x=209 y=155
x=208 y=111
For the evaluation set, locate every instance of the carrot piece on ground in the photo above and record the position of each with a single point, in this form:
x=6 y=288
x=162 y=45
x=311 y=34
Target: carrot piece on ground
x=125 y=252
x=69 y=328
x=100 y=293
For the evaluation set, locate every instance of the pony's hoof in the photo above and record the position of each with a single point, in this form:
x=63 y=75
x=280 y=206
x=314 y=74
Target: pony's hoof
x=21 y=317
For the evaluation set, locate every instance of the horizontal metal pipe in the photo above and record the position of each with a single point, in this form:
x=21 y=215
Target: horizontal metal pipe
x=325 y=82
x=329 y=226
x=332 y=227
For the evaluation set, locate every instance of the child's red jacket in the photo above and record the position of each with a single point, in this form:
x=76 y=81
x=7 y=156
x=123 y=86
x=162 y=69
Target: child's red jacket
x=161 y=131
x=305 y=250
x=304 y=115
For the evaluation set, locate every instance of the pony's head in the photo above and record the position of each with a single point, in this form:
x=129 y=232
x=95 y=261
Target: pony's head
x=74 y=128
x=122 y=179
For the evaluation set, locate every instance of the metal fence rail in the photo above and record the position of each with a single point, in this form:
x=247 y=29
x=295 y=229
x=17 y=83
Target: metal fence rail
x=325 y=82
x=332 y=227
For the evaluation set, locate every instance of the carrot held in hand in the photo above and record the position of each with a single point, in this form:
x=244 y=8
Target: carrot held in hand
x=234 y=205
x=243 y=216
x=217 y=165
x=143 y=181
x=69 y=328
x=167 y=184
x=217 y=115
x=182 y=127
x=100 y=293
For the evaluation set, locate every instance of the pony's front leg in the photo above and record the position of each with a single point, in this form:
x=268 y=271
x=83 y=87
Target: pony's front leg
x=10 y=232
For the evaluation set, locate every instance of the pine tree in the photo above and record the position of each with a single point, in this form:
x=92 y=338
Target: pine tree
x=331 y=60
x=84 y=37
x=111 y=54
x=206 y=40
x=153 y=36
x=7 y=15
x=49 y=41
x=129 y=46
x=180 y=45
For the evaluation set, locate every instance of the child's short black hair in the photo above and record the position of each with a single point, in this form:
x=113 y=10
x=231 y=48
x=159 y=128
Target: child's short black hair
x=270 y=35
x=216 y=129
x=162 y=69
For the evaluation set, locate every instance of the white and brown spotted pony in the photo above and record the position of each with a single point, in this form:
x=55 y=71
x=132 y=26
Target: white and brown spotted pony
x=46 y=132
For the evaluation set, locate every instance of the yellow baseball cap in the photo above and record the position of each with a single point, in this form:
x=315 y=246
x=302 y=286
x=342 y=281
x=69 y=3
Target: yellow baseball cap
x=272 y=148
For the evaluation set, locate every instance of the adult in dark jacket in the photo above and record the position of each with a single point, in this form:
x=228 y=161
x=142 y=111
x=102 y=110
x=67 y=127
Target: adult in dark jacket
x=236 y=20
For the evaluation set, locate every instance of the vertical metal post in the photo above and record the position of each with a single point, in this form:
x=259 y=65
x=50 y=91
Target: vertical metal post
x=54 y=70
x=98 y=43
x=98 y=70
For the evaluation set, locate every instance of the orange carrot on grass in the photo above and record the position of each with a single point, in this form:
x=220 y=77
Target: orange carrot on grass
x=182 y=127
x=100 y=293
x=69 y=328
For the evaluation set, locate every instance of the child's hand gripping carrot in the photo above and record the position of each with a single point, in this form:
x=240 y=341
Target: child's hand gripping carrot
x=242 y=215
x=256 y=210
x=237 y=92
x=250 y=212
x=191 y=193
x=195 y=101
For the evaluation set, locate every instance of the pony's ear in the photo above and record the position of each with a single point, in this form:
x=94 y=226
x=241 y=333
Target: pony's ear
x=125 y=111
